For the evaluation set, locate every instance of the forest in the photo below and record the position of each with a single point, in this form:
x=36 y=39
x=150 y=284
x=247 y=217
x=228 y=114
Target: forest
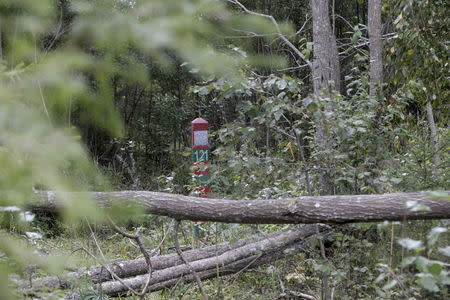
x=224 y=149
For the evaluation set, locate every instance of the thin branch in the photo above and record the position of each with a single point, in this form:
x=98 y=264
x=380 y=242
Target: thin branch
x=326 y=277
x=277 y=28
x=157 y=249
x=43 y=103
x=303 y=26
x=249 y=34
x=138 y=240
x=58 y=32
x=293 y=68
x=235 y=275
x=301 y=295
x=104 y=259
x=345 y=20
x=180 y=254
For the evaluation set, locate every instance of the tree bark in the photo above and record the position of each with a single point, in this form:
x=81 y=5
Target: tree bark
x=319 y=209
x=326 y=67
x=134 y=267
x=326 y=79
x=207 y=262
x=434 y=134
x=114 y=288
x=375 y=47
x=229 y=262
x=1 y=42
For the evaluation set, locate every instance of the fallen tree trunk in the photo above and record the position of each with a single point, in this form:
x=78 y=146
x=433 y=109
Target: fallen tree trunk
x=115 y=288
x=134 y=267
x=319 y=209
x=168 y=269
x=232 y=261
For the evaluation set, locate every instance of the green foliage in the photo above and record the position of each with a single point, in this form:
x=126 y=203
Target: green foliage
x=275 y=125
x=418 y=55
x=56 y=70
x=118 y=82
x=261 y=142
x=425 y=271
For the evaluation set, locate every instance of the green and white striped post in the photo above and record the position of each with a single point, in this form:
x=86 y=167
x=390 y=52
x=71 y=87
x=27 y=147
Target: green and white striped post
x=200 y=157
x=200 y=165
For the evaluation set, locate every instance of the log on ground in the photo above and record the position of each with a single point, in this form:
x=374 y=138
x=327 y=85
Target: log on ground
x=308 y=209
x=115 y=288
x=133 y=267
x=168 y=270
x=250 y=255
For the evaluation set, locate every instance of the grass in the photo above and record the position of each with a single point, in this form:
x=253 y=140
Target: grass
x=353 y=252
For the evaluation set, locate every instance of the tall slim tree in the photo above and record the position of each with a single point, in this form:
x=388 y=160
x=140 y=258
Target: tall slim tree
x=434 y=133
x=375 y=47
x=326 y=79
x=326 y=70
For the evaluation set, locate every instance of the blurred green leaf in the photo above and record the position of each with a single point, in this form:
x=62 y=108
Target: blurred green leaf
x=434 y=233
x=445 y=251
x=429 y=283
x=410 y=244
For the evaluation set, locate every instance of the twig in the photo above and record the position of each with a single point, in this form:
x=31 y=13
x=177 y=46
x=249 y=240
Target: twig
x=301 y=295
x=131 y=169
x=277 y=28
x=303 y=26
x=138 y=240
x=180 y=254
x=157 y=250
x=294 y=293
x=113 y=275
x=283 y=289
x=43 y=103
x=58 y=32
x=293 y=68
x=235 y=275
x=326 y=277
x=31 y=269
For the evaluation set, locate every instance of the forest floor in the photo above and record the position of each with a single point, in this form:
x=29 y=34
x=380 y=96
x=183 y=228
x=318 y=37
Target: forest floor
x=355 y=254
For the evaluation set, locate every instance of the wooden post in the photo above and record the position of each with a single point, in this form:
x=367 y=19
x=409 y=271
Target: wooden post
x=200 y=157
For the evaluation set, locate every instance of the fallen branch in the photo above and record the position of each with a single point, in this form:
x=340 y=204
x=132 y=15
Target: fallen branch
x=232 y=261
x=144 y=252
x=114 y=288
x=167 y=270
x=133 y=267
x=301 y=295
x=308 y=209
x=186 y=263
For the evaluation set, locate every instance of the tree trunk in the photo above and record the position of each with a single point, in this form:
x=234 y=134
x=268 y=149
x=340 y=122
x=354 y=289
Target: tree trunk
x=319 y=209
x=434 y=134
x=168 y=270
x=326 y=79
x=375 y=47
x=134 y=267
x=326 y=70
x=1 y=42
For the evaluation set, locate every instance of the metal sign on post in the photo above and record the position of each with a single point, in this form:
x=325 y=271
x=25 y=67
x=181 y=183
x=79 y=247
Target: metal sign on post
x=200 y=157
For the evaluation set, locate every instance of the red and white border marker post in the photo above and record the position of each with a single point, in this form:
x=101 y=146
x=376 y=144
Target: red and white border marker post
x=200 y=157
